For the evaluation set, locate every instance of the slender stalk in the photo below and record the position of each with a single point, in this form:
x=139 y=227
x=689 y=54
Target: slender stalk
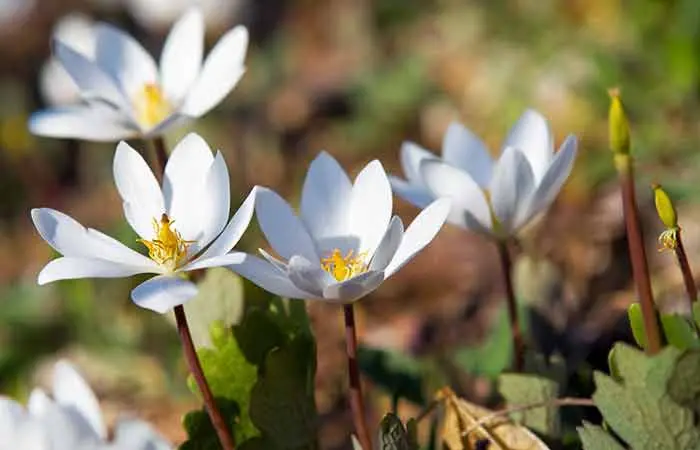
x=222 y=429
x=355 y=388
x=161 y=155
x=688 y=280
x=515 y=330
x=635 y=241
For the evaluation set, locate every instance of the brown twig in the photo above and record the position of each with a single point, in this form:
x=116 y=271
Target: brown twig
x=515 y=330
x=557 y=402
x=637 y=252
x=355 y=388
x=161 y=155
x=222 y=429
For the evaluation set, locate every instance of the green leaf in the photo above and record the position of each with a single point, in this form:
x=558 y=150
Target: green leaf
x=638 y=406
x=219 y=298
x=594 y=437
x=525 y=389
x=696 y=313
x=634 y=313
x=684 y=383
x=230 y=376
x=398 y=373
x=679 y=332
x=495 y=354
x=200 y=432
x=282 y=401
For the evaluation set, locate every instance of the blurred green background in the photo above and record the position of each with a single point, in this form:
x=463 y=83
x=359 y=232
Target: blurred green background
x=355 y=78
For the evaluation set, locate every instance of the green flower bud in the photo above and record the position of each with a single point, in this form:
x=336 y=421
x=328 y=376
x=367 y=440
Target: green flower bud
x=664 y=207
x=619 y=129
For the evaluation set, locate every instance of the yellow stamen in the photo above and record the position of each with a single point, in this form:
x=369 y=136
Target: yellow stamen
x=151 y=105
x=668 y=239
x=168 y=248
x=344 y=267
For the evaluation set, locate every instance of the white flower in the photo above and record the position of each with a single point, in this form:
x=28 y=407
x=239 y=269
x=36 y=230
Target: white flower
x=496 y=198
x=125 y=94
x=158 y=13
x=78 y=32
x=68 y=420
x=183 y=226
x=345 y=242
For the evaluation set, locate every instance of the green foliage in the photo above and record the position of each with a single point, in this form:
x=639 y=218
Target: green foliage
x=678 y=331
x=652 y=403
x=595 y=437
x=263 y=370
x=402 y=375
x=495 y=354
x=200 y=432
x=525 y=389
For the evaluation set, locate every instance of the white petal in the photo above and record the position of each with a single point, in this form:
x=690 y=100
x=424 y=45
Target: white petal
x=419 y=234
x=90 y=79
x=411 y=157
x=325 y=201
x=121 y=56
x=11 y=415
x=234 y=230
x=469 y=204
x=551 y=183
x=282 y=228
x=133 y=434
x=138 y=188
x=89 y=122
x=464 y=150
x=277 y=263
x=388 y=245
x=531 y=135
x=162 y=293
x=174 y=120
x=354 y=288
x=215 y=261
x=183 y=183
x=72 y=268
x=214 y=204
x=512 y=186
x=221 y=71
x=416 y=194
x=38 y=402
x=70 y=390
x=70 y=238
x=181 y=58
x=309 y=277
x=265 y=275
x=370 y=207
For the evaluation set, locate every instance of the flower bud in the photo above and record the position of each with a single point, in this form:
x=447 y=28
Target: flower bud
x=664 y=207
x=618 y=125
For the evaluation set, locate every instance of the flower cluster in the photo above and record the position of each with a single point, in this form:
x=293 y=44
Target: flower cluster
x=343 y=242
x=69 y=419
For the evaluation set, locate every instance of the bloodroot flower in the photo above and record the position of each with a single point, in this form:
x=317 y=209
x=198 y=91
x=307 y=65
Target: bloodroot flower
x=125 y=94
x=344 y=243
x=495 y=198
x=69 y=419
x=183 y=226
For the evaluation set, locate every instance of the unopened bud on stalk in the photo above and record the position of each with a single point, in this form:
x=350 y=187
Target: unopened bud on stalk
x=618 y=125
x=667 y=213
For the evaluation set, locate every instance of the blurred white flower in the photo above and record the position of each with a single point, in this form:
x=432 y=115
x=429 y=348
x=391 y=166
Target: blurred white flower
x=69 y=419
x=155 y=14
x=125 y=94
x=77 y=31
x=495 y=198
x=184 y=225
x=345 y=242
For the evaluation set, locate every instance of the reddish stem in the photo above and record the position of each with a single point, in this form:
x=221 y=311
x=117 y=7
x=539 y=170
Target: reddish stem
x=355 y=388
x=515 y=330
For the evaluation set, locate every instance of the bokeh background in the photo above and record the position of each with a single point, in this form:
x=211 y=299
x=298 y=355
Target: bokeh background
x=356 y=78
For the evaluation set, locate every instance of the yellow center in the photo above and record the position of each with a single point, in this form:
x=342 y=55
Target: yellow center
x=151 y=105
x=344 y=267
x=168 y=248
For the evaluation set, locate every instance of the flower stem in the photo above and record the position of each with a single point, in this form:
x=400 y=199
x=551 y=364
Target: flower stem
x=161 y=155
x=635 y=241
x=222 y=430
x=355 y=388
x=688 y=280
x=516 y=332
